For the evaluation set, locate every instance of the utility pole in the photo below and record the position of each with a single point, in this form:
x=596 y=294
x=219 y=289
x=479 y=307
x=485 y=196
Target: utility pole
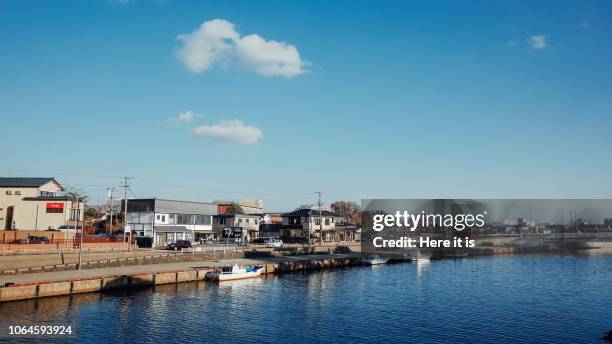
x=126 y=185
x=110 y=195
x=320 y=218
x=77 y=216
x=76 y=228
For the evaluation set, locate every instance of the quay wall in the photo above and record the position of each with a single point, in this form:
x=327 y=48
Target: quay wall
x=97 y=284
x=45 y=289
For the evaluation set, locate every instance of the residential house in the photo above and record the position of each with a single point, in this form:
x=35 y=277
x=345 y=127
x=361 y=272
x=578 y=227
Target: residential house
x=271 y=225
x=302 y=222
x=37 y=204
x=241 y=228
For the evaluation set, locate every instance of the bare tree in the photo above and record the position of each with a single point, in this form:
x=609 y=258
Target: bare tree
x=349 y=210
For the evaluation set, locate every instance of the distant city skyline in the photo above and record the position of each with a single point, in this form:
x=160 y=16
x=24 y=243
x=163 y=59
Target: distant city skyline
x=277 y=100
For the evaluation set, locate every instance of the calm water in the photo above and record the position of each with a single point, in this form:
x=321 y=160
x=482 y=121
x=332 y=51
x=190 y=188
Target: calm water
x=534 y=299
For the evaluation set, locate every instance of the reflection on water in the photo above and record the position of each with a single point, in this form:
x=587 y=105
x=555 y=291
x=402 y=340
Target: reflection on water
x=555 y=299
x=421 y=266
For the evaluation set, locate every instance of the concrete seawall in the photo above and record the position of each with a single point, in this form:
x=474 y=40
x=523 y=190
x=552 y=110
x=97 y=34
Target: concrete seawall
x=15 y=292
x=45 y=289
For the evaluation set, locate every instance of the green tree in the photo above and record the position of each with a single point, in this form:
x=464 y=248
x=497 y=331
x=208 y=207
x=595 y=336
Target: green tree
x=90 y=213
x=235 y=208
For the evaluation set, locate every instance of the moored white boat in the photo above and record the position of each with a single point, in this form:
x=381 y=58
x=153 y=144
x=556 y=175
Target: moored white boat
x=235 y=272
x=375 y=260
x=417 y=255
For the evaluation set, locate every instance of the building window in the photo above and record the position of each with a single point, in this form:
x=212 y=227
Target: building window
x=203 y=220
x=75 y=214
x=327 y=221
x=163 y=218
x=157 y=217
x=9 y=192
x=55 y=210
x=17 y=192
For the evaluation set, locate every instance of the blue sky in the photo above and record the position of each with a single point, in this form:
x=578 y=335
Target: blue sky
x=388 y=99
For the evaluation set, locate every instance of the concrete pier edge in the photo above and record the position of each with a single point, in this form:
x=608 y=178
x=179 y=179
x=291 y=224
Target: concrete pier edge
x=17 y=292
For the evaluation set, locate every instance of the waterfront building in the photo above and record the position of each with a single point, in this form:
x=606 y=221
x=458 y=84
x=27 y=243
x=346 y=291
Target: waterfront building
x=298 y=224
x=241 y=228
x=345 y=230
x=271 y=225
x=156 y=222
x=37 y=204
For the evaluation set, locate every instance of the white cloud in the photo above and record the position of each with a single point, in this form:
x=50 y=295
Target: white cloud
x=269 y=58
x=537 y=42
x=210 y=43
x=217 y=41
x=233 y=131
x=185 y=117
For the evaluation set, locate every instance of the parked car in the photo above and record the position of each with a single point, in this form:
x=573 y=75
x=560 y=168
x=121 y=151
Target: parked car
x=37 y=239
x=31 y=239
x=179 y=244
x=259 y=241
x=65 y=228
x=274 y=243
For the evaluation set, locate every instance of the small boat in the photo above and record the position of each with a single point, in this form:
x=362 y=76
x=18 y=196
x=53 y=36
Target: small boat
x=418 y=255
x=375 y=260
x=235 y=272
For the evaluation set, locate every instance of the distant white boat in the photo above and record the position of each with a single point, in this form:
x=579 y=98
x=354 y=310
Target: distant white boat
x=375 y=260
x=418 y=255
x=235 y=272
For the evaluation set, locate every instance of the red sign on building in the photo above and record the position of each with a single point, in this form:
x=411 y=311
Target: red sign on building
x=55 y=205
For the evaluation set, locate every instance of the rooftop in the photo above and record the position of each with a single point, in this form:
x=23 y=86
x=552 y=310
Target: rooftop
x=239 y=215
x=51 y=198
x=25 y=182
x=310 y=212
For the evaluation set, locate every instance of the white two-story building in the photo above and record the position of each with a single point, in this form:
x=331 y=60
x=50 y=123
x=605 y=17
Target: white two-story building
x=156 y=222
x=298 y=224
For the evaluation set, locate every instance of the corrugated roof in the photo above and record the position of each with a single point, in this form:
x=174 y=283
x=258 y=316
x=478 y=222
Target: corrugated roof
x=25 y=182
